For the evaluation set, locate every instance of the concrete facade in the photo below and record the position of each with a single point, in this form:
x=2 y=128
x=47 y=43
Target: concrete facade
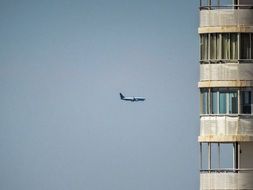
x=226 y=94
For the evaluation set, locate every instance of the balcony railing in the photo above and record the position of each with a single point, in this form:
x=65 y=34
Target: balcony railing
x=214 y=7
x=225 y=4
x=222 y=61
x=213 y=17
x=228 y=170
x=226 y=179
x=226 y=125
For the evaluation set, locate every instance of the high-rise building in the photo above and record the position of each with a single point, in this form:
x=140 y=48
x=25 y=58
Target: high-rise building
x=226 y=90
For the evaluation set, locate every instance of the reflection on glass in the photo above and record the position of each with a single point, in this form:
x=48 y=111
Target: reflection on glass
x=246 y=102
x=214 y=102
x=225 y=46
x=222 y=103
x=204 y=102
x=233 y=102
x=213 y=46
x=251 y=46
x=233 y=46
x=204 y=47
x=225 y=101
x=245 y=46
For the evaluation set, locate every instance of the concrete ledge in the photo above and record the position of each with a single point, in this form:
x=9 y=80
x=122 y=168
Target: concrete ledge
x=209 y=84
x=226 y=29
x=227 y=138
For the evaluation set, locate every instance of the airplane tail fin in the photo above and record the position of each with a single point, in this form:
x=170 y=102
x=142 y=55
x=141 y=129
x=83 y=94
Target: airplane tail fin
x=121 y=96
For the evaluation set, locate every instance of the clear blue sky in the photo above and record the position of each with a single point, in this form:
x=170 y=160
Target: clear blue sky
x=62 y=66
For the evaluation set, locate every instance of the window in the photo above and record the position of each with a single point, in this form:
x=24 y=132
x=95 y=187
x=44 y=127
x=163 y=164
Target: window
x=215 y=46
x=222 y=3
x=222 y=47
x=219 y=156
x=225 y=101
x=230 y=46
x=204 y=102
x=233 y=46
x=246 y=102
x=245 y=46
x=222 y=103
x=251 y=46
x=233 y=102
x=227 y=154
x=225 y=46
x=204 y=47
x=214 y=102
x=204 y=2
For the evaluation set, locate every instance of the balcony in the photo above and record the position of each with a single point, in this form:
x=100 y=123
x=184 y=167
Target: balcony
x=226 y=17
x=225 y=4
x=223 y=72
x=224 y=13
x=226 y=125
x=226 y=179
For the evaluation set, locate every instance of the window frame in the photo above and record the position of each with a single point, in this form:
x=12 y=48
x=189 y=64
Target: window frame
x=234 y=51
x=218 y=156
x=241 y=101
x=207 y=101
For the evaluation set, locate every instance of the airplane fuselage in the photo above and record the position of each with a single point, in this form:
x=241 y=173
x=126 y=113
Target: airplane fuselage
x=131 y=98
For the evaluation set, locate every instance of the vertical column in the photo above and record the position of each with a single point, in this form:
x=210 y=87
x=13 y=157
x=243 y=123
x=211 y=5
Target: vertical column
x=219 y=155
x=200 y=156
x=209 y=156
x=235 y=155
x=238 y=155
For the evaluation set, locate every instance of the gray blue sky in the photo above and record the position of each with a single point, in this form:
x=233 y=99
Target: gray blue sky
x=62 y=66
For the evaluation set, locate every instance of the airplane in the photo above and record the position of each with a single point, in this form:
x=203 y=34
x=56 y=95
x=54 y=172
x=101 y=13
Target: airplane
x=132 y=99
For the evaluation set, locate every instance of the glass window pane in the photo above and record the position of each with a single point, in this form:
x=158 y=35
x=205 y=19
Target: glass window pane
x=251 y=46
x=213 y=46
x=226 y=155
x=225 y=46
x=245 y=2
x=245 y=46
x=204 y=102
x=204 y=47
x=204 y=2
x=219 y=46
x=233 y=46
x=214 y=102
x=204 y=156
x=233 y=102
x=222 y=103
x=246 y=102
